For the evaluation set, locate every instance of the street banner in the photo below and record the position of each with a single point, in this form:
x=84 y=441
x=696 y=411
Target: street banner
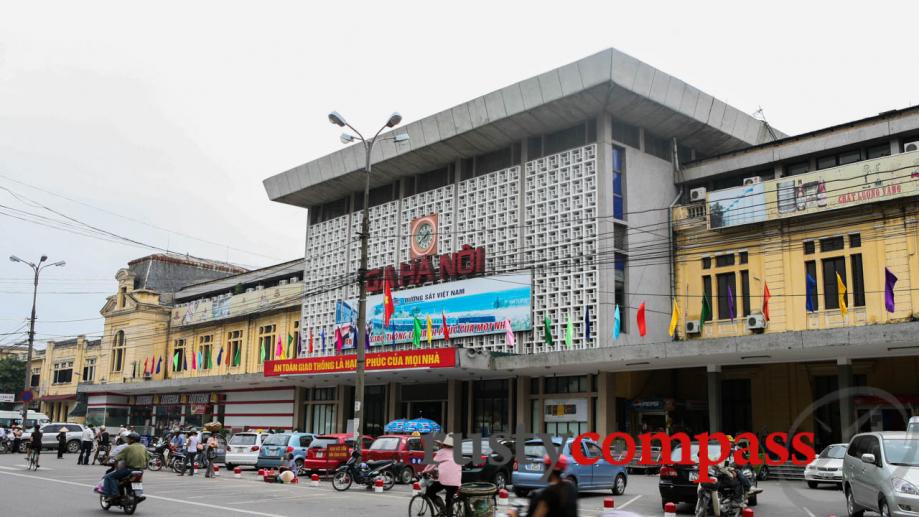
x=401 y=360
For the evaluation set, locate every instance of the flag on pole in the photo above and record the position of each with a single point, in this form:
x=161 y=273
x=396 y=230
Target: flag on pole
x=339 y=340
x=184 y=360
x=175 y=361
x=159 y=363
x=705 y=314
x=674 y=318
x=731 y=302
x=766 y=296
x=509 y=333
x=416 y=332
x=890 y=280
x=547 y=330
x=194 y=360
x=220 y=356
x=237 y=358
x=430 y=330
x=290 y=340
x=300 y=345
x=443 y=318
x=279 y=349
x=311 y=341
x=586 y=323
x=569 y=332
x=642 y=329
x=322 y=338
x=388 y=306
x=617 y=323
x=841 y=295
x=811 y=297
x=262 y=351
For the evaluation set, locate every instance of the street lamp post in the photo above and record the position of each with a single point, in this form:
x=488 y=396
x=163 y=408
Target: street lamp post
x=338 y=120
x=36 y=268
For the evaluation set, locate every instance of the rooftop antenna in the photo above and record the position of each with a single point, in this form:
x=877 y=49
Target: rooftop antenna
x=761 y=115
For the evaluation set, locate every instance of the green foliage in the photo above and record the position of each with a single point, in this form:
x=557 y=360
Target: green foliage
x=12 y=371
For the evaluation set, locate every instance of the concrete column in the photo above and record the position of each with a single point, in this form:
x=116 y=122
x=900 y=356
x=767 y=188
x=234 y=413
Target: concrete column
x=606 y=403
x=392 y=401
x=894 y=146
x=454 y=422
x=523 y=402
x=713 y=373
x=846 y=402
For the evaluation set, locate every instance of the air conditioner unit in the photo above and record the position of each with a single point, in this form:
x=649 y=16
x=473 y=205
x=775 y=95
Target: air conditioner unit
x=752 y=180
x=693 y=327
x=697 y=194
x=911 y=146
x=756 y=322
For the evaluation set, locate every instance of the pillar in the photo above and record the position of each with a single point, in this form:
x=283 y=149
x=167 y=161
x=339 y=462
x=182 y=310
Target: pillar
x=392 y=402
x=522 y=407
x=713 y=374
x=846 y=402
x=454 y=422
x=606 y=404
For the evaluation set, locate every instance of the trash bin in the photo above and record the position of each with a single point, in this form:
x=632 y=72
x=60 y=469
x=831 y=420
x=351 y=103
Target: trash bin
x=480 y=499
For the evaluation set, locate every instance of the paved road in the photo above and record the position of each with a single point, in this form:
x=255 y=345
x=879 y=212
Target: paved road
x=63 y=489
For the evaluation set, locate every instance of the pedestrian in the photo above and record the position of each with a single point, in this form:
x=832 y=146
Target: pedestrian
x=191 y=451
x=17 y=438
x=86 y=445
x=209 y=455
x=61 y=442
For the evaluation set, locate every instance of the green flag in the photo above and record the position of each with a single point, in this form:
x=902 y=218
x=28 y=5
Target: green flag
x=236 y=357
x=175 y=361
x=416 y=333
x=261 y=351
x=706 y=312
x=547 y=330
x=208 y=359
x=569 y=333
x=290 y=339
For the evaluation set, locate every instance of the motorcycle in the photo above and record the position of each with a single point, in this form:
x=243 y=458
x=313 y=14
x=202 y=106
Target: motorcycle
x=130 y=494
x=6 y=445
x=363 y=473
x=726 y=496
x=157 y=456
x=177 y=461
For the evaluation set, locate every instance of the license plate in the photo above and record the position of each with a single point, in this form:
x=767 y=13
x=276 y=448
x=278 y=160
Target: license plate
x=137 y=486
x=534 y=467
x=693 y=476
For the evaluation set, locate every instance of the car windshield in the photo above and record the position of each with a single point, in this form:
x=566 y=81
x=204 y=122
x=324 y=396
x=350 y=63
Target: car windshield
x=467 y=447
x=277 y=439
x=385 y=444
x=836 y=452
x=243 y=439
x=322 y=443
x=902 y=451
x=714 y=452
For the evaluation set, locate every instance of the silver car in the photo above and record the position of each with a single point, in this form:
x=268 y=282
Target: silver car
x=243 y=448
x=49 y=436
x=881 y=473
x=827 y=466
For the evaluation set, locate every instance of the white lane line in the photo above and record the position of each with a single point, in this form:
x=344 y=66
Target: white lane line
x=630 y=501
x=6 y=468
x=170 y=499
x=809 y=513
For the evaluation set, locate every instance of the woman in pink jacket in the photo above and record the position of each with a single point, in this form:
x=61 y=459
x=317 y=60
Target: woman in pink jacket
x=448 y=473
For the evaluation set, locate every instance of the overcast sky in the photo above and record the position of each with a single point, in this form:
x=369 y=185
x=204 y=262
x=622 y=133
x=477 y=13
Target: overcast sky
x=170 y=114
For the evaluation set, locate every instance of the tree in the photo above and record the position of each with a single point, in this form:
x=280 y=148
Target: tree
x=12 y=371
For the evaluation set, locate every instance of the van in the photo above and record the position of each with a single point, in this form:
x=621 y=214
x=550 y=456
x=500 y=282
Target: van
x=880 y=473
x=8 y=418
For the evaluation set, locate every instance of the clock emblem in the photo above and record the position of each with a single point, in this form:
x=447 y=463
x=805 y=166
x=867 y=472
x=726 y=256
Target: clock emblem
x=423 y=234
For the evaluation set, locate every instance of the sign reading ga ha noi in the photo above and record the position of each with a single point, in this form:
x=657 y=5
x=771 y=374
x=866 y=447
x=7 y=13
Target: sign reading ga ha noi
x=403 y=359
x=867 y=181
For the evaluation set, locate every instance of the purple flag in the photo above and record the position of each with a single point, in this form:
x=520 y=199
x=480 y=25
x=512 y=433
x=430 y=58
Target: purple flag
x=889 y=281
x=731 y=303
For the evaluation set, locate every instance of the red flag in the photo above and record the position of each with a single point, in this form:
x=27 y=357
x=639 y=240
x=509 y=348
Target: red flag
x=311 y=341
x=641 y=319
x=766 y=297
x=145 y=366
x=446 y=328
x=388 y=307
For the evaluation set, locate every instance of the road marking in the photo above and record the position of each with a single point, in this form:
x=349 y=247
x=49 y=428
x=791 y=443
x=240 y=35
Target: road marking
x=809 y=513
x=6 y=468
x=632 y=500
x=170 y=499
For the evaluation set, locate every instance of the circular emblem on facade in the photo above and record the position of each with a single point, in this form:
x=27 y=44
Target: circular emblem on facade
x=423 y=235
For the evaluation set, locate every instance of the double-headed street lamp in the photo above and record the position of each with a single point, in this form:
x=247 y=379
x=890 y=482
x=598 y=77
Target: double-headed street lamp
x=36 y=268
x=346 y=138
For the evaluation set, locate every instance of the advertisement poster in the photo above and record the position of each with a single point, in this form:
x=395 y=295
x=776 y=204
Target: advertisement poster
x=473 y=307
x=565 y=410
x=230 y=306
x=738 y=205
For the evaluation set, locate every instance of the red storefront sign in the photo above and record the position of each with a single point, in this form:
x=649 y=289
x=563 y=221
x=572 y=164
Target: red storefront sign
x=404 y=359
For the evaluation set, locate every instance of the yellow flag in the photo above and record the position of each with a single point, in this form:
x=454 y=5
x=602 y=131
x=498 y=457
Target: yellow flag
x=674 y=318
x=430 y=330
x=841 y=288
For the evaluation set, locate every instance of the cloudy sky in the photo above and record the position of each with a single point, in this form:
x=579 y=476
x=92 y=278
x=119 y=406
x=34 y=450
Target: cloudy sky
x=158 y=121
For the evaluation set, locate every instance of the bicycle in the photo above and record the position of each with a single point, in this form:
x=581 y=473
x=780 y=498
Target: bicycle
x=33 y=455
x=423 y=506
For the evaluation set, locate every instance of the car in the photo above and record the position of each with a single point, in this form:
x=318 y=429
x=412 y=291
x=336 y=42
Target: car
x=880 y=473
x=242 y=449
x=275 y=448
x=404 y=449
x=677 y=482
x=49 y=435
x=827 y=466
x=317 y=457
x=528 y=472
x=489 y=466
x=913 y=425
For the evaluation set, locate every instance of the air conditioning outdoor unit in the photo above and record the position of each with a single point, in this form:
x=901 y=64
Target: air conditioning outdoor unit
x=911 y=146
x=697 y=194
x=756 y=322
x=752 y=180
x=693 y=327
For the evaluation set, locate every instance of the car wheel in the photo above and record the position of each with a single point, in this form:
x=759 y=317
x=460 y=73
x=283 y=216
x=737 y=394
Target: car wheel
x=851 y=507
x=230 y=467
x=619 y=485
x=885 y=510
x=406 y=475
x=521 y=492
x=73 y=446
x=574 y=481
x=811 y=484
x=500 y=479
x=763 y=474
x=752 y=501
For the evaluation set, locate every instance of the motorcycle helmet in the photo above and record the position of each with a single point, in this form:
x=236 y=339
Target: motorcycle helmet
x=133 y=436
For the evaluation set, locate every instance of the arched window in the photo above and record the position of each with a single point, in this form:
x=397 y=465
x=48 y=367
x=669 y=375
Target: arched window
x=118 y=346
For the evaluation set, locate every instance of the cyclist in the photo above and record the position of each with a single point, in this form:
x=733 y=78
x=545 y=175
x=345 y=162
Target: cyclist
x=35 y=444
x=560 y=498
x=449 y=474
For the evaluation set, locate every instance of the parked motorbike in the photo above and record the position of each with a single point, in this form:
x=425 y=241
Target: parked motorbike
x=177 y=461
x=362 y=473
x=725 y=496
x=157 y=456
x=6 y=445
x=130 y=494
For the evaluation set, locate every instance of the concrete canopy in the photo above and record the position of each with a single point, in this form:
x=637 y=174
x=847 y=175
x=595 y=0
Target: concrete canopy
x=609 y=81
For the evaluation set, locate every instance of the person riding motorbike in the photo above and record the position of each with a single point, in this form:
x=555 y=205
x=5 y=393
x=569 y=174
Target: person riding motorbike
x=449 y=474
x=560 y=498
x=133 y=457
x=745 y=482
x=103 y=446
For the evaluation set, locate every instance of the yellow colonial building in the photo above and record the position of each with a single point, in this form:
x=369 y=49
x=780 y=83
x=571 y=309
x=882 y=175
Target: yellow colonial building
x=58 y=369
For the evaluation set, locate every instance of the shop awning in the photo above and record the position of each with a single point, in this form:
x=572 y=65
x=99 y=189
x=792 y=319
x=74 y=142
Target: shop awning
x=53 y=398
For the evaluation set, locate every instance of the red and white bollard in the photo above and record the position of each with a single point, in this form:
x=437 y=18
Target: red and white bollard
x=217 y=471
x=378 y=485
x=416 y=488
x=195 y=468
x=503 y=498
x=607 y=509
x=670 y=510
x=747 y=512
x=237 y=472
x=261 y=472
x=314 y=480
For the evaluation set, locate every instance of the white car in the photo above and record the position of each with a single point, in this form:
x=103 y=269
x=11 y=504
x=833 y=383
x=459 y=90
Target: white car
x=242 y=449
x=913 y=426
x=827 y=466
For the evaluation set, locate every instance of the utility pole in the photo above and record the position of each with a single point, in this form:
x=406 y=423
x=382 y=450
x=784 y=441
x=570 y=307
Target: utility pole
x=361 y=331
x=28 y=369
